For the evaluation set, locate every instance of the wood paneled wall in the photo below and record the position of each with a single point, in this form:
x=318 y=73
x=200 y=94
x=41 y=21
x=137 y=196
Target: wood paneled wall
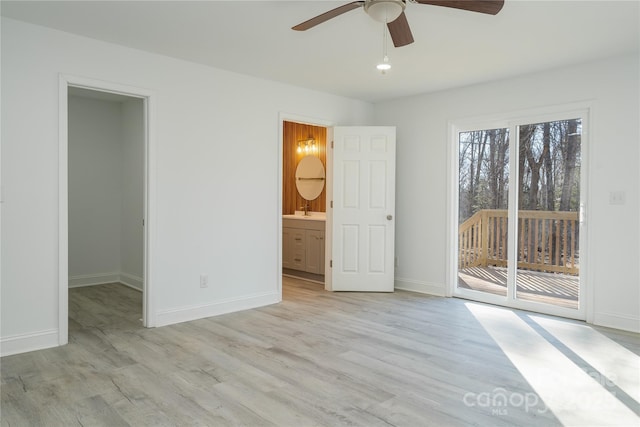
x=292 y=133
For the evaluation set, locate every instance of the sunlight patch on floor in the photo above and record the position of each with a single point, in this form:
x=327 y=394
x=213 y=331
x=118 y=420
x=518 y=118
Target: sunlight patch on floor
x=615 y=365
x=573 y=395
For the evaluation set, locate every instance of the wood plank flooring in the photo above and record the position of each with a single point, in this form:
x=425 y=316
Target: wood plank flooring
x=316 y=359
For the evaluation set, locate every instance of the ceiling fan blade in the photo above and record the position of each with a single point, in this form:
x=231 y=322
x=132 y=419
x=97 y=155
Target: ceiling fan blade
x=400 y=31
x=327 y=15
x=490 y=7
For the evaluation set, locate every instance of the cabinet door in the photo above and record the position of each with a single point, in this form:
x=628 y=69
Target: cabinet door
x=298 y=258
x=286 y=247
x=315 y=251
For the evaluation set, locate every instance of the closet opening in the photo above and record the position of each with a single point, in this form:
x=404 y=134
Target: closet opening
x=104 y=208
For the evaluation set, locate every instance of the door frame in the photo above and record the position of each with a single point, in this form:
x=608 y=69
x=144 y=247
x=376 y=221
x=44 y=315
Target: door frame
x=584 y=110
x=148 y=98
x=328 y=124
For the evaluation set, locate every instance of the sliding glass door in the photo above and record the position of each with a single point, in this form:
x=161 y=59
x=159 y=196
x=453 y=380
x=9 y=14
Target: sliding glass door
x=519 y=199
x=549 y=165
x=483 y=194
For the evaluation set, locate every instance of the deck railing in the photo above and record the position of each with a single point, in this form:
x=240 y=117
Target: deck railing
x=547 y=241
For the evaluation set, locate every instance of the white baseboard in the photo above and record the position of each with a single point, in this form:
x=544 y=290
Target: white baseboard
x=419 y=286
x=617 y=321
x=93 y=279
x=131 y=281
x=126 y=279
x=186 y=314
x=28 y=342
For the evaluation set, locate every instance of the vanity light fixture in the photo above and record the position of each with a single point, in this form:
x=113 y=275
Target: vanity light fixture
x=307 y=146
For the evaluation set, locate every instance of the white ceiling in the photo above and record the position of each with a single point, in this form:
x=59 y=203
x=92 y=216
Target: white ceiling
x=452 y=48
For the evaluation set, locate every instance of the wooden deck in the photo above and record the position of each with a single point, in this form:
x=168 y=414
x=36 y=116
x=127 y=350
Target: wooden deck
x=556 y=289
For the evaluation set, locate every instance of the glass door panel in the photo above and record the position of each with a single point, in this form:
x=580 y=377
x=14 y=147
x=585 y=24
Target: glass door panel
x=549 y=161
x=483 y=191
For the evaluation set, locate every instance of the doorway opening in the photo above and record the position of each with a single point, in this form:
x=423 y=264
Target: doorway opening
x=520 y=196
x=104 y=206
x=304 y=201
x=359 y=214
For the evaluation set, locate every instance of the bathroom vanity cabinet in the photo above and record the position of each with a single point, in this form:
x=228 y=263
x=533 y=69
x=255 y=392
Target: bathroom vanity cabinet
x=303 y=244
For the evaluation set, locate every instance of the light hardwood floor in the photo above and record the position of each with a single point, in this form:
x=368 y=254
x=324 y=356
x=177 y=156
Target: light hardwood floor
x=316 y=359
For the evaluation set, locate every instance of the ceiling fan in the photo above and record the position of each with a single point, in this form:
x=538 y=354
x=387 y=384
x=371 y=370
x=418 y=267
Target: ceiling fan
x=391 y=12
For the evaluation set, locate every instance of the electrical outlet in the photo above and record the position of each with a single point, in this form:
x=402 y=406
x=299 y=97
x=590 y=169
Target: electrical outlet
x=204 y=281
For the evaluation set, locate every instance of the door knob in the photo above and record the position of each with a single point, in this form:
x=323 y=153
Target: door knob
x=389 y=217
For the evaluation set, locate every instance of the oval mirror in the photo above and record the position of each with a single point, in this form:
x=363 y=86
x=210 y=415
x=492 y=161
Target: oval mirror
x=310 y=177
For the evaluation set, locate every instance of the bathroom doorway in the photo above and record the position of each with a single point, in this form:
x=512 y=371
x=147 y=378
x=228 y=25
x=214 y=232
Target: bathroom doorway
x=304 y=200
x=359 y=196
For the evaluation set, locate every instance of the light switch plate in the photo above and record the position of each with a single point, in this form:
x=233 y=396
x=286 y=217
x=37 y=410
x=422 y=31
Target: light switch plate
x=204 y=281
x=617 y=197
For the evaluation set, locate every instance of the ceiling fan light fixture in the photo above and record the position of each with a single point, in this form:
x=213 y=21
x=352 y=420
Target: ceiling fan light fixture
x=383 y=66
x=384 y=10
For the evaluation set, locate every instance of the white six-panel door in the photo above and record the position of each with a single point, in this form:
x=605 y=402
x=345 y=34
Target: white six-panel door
x=363 y=209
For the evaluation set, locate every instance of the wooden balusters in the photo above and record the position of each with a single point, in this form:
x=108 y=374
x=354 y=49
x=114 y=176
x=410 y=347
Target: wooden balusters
x=547 y=240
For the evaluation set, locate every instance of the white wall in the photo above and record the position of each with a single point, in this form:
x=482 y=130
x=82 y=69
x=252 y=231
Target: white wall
x=132 y=213
x=216 y=176
x=95 y=190
x=421 y=227
x=106 y=191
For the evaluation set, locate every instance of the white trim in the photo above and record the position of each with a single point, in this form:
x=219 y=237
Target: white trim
x=79 y=281
x=66 y=81
x=328 y=225
x=132 y=281
x=150 y=177
x=617 y=321
x=196 y=312
x=435 y=289
x=130 y=287
x=296 y=118
x=128 y=280
x=24 y=343
x=586 y=274
x=63 y=212
x=451 y=266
